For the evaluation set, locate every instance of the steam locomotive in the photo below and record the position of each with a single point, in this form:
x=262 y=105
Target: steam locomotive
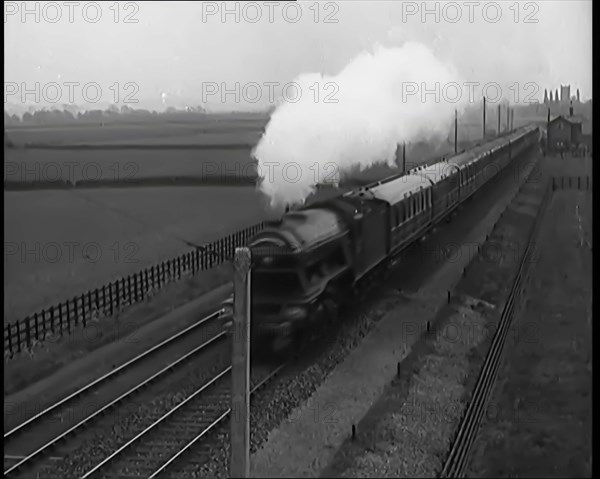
x=309 y=262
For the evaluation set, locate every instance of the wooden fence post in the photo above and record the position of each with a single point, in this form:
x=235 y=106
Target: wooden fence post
x=240 y=370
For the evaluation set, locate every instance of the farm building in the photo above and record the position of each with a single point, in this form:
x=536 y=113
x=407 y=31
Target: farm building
x=564 y=132
x=568 y=132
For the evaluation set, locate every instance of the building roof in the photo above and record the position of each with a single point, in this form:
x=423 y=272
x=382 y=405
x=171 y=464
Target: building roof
x=586 y=123
x=570 y=119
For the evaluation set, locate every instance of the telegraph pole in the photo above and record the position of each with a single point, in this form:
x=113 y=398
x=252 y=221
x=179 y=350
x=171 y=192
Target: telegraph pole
x=548 y=132
x=239 y=465
x=455 y=131
x=484 y=117
x=498 y=119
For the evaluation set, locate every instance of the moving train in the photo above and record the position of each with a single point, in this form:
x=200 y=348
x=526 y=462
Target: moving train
x=309 y=262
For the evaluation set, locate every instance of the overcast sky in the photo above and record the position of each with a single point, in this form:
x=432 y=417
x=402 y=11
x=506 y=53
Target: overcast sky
x=176 y=49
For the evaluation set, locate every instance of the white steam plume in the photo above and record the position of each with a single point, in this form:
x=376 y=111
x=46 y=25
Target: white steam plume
x=314 y=140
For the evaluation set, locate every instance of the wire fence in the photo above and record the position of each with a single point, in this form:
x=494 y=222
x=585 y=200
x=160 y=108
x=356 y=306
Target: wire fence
x=113 y=297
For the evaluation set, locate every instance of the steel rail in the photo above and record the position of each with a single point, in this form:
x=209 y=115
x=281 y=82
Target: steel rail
x=88 y=388
x=457 y=459
x=217 y=379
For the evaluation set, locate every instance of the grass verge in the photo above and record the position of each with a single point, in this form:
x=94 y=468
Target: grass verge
x=540 y=425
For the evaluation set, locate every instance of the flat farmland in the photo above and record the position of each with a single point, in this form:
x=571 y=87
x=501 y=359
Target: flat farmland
x=61 y=243
x=206 y=150
x=118 y=130
x=33 y=165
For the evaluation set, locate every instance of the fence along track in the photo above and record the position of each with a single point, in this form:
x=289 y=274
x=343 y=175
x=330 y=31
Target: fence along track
x=89 y=389
x=176 y=432
x=112 y=297
x=584 y=183
x=457 y=459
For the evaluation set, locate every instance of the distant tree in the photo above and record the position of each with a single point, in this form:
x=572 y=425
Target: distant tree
x=41 y=117
x=27 y=118
x=556 y=98
x=545 y=95
x=7 y=141
x=578 y=99
x=68 y=116
x=15 y=119
x=551 y=99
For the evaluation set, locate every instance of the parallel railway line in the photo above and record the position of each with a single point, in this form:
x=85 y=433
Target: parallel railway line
x=458 y=456
x=177 y=432
x=30 y=443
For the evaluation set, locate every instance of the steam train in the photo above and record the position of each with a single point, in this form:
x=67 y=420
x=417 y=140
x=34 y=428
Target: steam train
x=309 y=262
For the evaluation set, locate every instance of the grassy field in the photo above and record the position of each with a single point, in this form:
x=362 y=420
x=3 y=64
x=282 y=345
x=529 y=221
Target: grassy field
x=542 y=404
x=133 y=130
x=61 y=243
x=110 y=165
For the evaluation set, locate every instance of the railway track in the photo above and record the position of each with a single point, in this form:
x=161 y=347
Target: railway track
x=458 y=457
x=42 y=438
x=180 y=430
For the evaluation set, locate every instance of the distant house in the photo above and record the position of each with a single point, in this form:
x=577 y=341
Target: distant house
x=564 y=133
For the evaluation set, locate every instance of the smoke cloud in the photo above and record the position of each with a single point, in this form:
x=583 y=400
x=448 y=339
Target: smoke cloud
x=357 y=120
